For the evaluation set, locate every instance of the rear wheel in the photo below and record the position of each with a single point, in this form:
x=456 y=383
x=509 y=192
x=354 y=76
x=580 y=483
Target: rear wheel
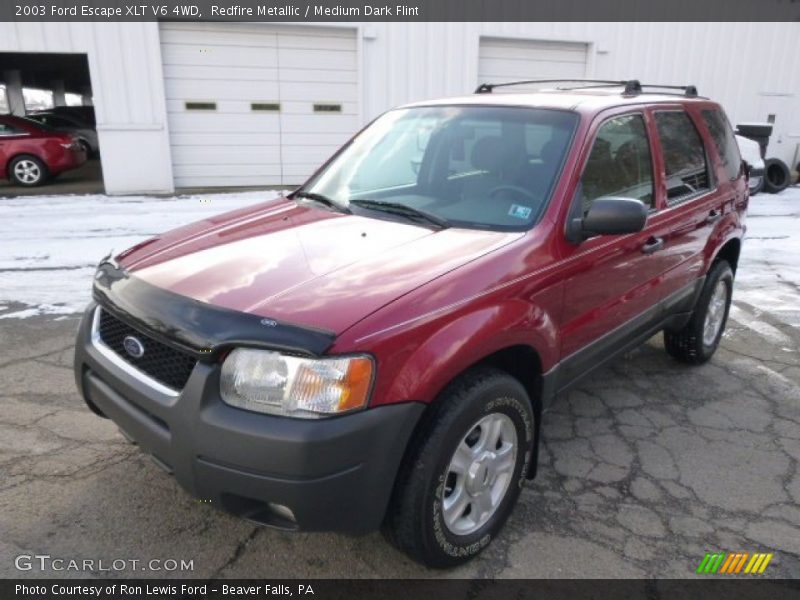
x=467 y=465
x=699 y=339
x=27 y=170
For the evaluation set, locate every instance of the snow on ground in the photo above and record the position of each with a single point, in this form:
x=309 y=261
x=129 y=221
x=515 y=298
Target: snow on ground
x=769 y=268
x=50 y=245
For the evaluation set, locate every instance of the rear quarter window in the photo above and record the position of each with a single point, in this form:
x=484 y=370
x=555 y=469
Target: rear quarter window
x=685 y=163
x=725 y=142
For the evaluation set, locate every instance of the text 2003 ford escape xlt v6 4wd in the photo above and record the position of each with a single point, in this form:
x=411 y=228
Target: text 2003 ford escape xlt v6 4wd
x=376 y=349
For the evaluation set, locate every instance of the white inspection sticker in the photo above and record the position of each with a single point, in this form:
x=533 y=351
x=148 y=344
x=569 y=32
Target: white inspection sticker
x=519 y=211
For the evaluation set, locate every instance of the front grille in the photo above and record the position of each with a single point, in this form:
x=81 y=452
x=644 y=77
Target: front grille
x=163 y=363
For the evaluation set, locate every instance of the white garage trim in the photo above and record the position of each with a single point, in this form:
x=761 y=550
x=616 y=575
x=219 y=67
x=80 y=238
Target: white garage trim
x=223 y=82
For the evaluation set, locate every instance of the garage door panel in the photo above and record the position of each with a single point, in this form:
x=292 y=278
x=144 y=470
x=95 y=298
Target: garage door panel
x=224 y=180
x=321 y=123
x=224 y=140
x=227 y=107
x=331 y=140
x=305 y=107
x=230 y=36
x=327 y=92
x=516 y=70
x=200 y=54
x=232 y=123
x=345 y=43
x=319 y=76
x=230 y=155
x=220 y=170
x=502 y=61
x=222 y=90
x=314 y=155
x=531 y=50
x=234 y=66
x=220 y=73
x=325 y=59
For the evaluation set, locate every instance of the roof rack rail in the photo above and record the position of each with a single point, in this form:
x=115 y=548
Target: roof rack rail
x=631 y=86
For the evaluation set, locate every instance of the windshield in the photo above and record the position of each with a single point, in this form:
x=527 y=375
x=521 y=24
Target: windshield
x=470 y=166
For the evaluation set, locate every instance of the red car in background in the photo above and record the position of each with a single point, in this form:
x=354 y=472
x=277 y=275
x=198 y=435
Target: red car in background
x=31 y=153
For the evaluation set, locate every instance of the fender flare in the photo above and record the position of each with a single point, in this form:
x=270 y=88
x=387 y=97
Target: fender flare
x=469 y=338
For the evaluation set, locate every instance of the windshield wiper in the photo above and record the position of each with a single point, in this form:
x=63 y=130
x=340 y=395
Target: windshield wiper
x=322 y=199
x=403 y=210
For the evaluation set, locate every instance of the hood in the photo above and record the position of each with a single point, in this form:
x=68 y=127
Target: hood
x=301 y=264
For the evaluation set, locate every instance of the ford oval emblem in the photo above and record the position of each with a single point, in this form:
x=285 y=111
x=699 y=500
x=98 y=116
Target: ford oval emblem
x=133 y=346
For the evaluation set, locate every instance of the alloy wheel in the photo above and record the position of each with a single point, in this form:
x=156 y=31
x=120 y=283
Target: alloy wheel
x=479 y=473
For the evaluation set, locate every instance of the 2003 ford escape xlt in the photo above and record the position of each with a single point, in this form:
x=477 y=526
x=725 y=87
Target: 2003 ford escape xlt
x=375 y=350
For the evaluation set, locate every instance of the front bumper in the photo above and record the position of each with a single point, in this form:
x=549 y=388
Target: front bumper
x=333 y=474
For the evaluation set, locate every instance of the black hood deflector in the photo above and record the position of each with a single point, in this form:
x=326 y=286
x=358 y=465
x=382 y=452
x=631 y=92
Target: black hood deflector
x=201 y=329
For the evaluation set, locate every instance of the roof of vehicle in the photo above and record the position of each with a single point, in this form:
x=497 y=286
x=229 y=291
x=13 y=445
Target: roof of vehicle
x=28 y=125
x=589 y=100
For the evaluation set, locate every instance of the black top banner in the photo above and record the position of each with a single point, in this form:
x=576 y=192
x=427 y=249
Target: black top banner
x=405 y=10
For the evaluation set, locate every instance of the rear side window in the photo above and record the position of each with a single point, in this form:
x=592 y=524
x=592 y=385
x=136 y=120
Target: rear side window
x=722 y=134
x=8 y=130
x=685 y=164
x=620 y=163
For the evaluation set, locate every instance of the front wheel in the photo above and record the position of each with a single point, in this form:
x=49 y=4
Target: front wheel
x=699 y=339
x=467 y=465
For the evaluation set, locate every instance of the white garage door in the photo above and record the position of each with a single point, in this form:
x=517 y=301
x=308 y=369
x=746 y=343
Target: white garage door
x=503 y=60
x=256 y=104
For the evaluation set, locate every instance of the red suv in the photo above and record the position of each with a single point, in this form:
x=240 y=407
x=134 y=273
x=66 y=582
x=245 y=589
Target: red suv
x=32 y=152
x=377 y=348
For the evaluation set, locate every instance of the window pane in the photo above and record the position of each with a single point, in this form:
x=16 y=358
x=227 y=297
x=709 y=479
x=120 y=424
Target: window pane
x=73 y=99
x=36 y=99
x=620 y=163
x=722 y=134
x=684 y=155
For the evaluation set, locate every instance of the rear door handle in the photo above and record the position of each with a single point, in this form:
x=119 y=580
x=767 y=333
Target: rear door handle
x=653 y=244
x=713 y=216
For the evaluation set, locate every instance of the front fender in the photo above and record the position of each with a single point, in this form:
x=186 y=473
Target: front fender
x=466 y=339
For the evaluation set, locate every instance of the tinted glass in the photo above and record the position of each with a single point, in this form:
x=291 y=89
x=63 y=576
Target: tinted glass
x=475 y=166
x=684 y=156
x=725 y=142
x=620 y=163
x=38 y=124
x=9 y=130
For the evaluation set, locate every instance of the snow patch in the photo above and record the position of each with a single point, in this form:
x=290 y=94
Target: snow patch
x=50 y=245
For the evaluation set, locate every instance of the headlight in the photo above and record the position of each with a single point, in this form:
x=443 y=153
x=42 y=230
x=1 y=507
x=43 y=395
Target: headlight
x=278 y=384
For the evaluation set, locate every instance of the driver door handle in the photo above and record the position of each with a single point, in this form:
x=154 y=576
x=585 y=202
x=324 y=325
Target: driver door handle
x=653 y=244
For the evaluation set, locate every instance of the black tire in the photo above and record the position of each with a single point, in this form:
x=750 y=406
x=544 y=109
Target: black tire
x=20 y=178
x=415 y=521
x=687 y=345
x=776 y=175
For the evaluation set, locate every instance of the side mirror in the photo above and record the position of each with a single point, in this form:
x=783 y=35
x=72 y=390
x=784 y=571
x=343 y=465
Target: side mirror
x=609 y=216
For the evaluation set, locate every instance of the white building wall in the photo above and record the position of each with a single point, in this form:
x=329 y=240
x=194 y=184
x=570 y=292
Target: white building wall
x=127 y=83
x=751 y=68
